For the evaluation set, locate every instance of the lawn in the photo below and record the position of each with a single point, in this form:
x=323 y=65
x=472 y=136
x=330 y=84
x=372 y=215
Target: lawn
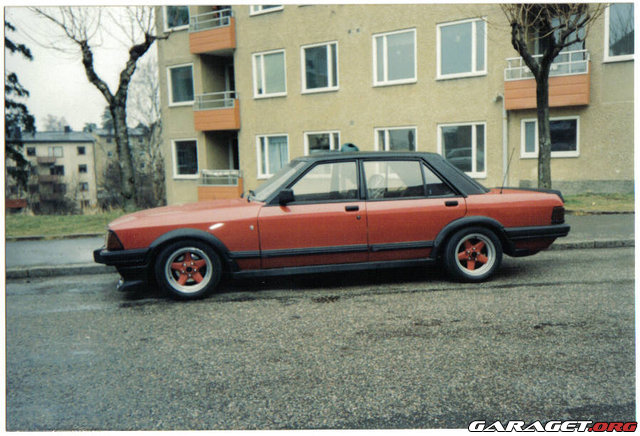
x=57 y=225
x=589 y=203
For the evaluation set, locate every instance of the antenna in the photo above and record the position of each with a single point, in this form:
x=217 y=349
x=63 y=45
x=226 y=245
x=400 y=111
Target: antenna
x=506 y=173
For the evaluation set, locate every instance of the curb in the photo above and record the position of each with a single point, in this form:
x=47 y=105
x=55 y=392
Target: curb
x=54 y=237
x=91 y=268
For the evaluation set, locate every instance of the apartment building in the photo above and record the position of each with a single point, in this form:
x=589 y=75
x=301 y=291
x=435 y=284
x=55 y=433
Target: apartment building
x=62 y=167
x=246 y=88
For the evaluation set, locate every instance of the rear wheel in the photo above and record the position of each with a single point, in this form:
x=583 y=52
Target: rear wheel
x=473 y=254
x=188 y=269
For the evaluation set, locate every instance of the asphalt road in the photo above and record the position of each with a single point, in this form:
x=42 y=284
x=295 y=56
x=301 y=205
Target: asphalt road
x=551 y=337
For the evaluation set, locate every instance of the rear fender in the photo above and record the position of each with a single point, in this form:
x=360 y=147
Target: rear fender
x=471 y=221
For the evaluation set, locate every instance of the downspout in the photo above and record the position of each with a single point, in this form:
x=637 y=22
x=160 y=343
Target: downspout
x=505 y=140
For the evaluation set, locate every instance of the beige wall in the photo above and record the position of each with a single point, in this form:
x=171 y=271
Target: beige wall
x=358 y=107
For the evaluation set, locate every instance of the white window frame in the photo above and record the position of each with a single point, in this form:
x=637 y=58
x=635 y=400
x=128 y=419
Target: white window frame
x=554 y=154
x=474 y=146
x=303 y=66
x=258 y=10
x=170 y=86
x=174 y=156
x=620 y=58
x=386 y=136
x=385 y=81
x=166 y=23
x=332 y=145
x=474 y=46
x=261 y=65
x=262 y=175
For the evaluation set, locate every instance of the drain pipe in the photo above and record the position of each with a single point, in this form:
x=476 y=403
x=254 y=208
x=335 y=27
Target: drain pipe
x=505 y=139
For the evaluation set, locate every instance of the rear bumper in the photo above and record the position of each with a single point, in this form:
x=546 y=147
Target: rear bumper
x=133 y=266
x=525 y=241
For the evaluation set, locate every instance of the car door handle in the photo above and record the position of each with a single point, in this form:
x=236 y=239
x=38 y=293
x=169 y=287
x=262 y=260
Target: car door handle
x=451 y=203
x=352 y=208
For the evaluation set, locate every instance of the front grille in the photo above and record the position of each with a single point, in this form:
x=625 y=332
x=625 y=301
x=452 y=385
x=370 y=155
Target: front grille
x=557 y=216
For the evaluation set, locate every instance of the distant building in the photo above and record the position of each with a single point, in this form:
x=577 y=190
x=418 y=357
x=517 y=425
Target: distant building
x=249 y=87
x=63 y=166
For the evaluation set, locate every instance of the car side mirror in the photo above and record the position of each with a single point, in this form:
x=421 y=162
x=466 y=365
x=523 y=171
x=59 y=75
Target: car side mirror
x=285 y=196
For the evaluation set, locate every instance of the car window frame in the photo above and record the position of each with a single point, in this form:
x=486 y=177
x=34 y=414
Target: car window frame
x=310 y=168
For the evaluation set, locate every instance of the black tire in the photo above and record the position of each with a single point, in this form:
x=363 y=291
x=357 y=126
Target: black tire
x=188 y=269
x=472 y=254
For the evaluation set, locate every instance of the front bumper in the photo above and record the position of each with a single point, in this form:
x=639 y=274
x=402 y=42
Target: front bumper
x=133 y=266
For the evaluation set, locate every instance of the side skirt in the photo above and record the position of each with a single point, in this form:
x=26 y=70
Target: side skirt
x=312 y=269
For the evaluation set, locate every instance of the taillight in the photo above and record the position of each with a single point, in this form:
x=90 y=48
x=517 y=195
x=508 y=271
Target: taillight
x=113 y=243
x=557 y=216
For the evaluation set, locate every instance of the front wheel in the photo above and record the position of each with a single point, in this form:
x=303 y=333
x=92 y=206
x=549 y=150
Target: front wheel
x=188 y=269
x=473 y=254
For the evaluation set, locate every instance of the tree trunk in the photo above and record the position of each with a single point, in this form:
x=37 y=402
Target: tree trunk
x=544 y=131
x=119 y=115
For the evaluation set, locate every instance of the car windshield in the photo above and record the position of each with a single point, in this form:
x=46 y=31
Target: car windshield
x=265 y=190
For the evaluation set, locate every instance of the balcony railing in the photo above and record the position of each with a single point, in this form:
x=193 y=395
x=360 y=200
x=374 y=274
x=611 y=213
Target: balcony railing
x=46 y=160
x=215 y=100
x=220 y=177
x=48 y=178
x=210 y=20
x=567 y=63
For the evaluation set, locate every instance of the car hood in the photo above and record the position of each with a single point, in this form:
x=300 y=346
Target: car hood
x=188 y=215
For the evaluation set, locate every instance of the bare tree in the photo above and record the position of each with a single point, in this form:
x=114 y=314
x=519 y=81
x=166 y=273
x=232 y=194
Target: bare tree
x=55 y=124
x=81 y=28
x=144 y=109
x=550 y=28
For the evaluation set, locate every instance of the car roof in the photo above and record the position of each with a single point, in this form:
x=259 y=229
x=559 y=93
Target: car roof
x=465 y=184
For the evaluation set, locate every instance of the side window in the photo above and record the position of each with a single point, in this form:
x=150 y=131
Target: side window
x=435 y=186
x=328 y=182
x=393 y=179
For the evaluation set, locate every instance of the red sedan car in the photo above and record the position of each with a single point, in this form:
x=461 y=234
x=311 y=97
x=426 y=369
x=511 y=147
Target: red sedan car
x=336 y=212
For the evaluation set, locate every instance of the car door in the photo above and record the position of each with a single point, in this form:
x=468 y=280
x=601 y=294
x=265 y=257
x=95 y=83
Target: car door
x=324 y=224
x=407 y=205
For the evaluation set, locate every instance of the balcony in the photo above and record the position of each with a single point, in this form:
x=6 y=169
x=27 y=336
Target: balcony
x=219 y=184
x=48 y=178
x=216 y=111
x=213 y=32
x=569 y=82
x=46 y=160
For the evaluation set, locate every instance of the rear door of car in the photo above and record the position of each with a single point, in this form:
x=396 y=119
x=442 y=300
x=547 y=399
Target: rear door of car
x=324 y=224
x=407 y=205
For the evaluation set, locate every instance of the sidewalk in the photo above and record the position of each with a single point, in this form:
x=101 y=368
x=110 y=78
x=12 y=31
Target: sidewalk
x=47 y=258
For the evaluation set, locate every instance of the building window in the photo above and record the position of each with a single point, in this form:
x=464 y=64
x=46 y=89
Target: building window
x=565 y=137
x=396 y=139
x=462 y=49
x=319 y=142
x=463 y=145
x=269 y=77
x=81 y=150
x=31 y=151
x=273 y=154
x=185 y=159
x=618 y=32
x=181 y=85
x=82 y=169
x=56 y=170
x=84 y=186
x=176 y=17
x=394 y=58
x=320 y=67
x=55 y=151
x=264 y=9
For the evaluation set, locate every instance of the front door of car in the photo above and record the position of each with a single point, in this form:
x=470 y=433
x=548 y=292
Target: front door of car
x=325 y=223
x=407 y=205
